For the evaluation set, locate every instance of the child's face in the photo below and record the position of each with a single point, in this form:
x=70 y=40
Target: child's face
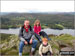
x=38 y=23
x=45 y=43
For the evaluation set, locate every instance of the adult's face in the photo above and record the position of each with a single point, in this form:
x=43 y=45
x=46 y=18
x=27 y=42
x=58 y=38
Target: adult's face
x=26 y=23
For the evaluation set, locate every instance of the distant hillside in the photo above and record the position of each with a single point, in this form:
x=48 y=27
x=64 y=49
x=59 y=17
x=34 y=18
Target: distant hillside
x=13 y=20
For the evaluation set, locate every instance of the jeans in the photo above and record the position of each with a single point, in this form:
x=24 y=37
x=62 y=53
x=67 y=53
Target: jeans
x=42 y=33
x=21 y=45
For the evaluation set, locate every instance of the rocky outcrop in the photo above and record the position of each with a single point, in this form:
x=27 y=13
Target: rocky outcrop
x=11 y=46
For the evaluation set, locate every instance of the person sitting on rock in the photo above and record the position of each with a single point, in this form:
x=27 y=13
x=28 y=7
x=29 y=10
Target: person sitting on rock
x=38 y=32
x=45 y=48
x=27 y=37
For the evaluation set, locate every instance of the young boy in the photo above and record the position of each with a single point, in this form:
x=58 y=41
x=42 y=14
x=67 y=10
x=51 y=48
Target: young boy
x=45 y=48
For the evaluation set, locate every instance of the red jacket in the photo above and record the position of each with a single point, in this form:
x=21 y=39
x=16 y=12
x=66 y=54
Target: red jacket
x=37 y=29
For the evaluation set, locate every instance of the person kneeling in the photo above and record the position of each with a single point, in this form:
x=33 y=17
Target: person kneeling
x=45 y=48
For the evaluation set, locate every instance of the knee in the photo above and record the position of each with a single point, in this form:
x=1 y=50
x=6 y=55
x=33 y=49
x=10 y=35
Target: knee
x=42 y=32
x=35 y=41
x=21 y=43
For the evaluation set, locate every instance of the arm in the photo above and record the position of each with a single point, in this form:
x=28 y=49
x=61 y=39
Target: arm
x=21 y=34
x=32 y=32
x=50 y=49
x=35 y=30
x=32 y=36
x=31 y=39
x=39 y=28
x=40 y=50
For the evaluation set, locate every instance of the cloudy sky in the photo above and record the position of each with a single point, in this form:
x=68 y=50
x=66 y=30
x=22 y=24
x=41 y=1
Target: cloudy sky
x=37 y=6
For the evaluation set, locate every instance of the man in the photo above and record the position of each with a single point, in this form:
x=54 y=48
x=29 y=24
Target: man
x=27 y=37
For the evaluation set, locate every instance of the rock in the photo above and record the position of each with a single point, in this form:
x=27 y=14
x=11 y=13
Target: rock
x=67 y=49
x=51 y=35
x=37 y=53
x=26 y=49
x=73 y=42
x=55 y=51
x=12 y=46
x=62 y=44
x=61 y=34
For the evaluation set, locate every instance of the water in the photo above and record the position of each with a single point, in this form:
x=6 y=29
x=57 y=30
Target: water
x=58 y=32
x=48 y=31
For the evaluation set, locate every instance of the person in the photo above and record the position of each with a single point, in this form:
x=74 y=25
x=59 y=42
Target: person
x=45 y=48
x=38 y=32
x=27 y=37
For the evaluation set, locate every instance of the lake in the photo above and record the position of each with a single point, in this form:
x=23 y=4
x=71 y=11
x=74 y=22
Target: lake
x=48 y=31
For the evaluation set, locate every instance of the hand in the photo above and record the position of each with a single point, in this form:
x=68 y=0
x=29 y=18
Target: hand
x=26 y=42
x=51 y=54
x=41 y=55
x=30 y=41
x=39 y=34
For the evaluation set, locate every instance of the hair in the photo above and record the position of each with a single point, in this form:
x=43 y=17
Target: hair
x=26 y=20
x=44 y=39
x=35 y=23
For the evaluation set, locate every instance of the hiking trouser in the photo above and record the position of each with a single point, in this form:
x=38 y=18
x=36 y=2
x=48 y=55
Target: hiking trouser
x=47 y=53
x=21 y=45
x=38 y=37
x=42 y=33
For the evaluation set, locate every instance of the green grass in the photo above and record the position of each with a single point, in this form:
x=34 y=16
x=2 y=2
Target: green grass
x=54 y=43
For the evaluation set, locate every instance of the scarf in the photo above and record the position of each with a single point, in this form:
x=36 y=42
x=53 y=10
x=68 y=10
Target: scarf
x=26 y=29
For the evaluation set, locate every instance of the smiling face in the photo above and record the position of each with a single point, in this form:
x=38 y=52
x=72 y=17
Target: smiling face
x=45 y=43
x=37 y=23
x=26 y=23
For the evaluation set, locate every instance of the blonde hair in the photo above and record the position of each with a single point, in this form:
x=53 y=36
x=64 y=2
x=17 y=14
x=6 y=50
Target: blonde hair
x=36 y=21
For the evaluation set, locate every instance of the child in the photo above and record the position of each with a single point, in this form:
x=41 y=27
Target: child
x=37 y=30
x=45 y=48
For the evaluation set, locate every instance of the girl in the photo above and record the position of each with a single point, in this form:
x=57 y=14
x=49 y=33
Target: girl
x=37 y=30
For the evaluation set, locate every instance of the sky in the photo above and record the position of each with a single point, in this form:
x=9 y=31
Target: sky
x=37 y=6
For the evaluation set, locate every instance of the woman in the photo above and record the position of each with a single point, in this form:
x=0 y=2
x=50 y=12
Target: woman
x=37 y=30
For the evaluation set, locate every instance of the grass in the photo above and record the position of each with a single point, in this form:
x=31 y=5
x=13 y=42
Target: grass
x=54 y=43
x=65 y=38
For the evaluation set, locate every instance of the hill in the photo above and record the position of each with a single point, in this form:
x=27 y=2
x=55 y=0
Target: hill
x=13 y=20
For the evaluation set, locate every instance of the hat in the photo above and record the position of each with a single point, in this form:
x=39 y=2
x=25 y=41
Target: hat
x=45 y=40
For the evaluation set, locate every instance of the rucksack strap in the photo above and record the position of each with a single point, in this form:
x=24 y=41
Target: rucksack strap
x=30 y=28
